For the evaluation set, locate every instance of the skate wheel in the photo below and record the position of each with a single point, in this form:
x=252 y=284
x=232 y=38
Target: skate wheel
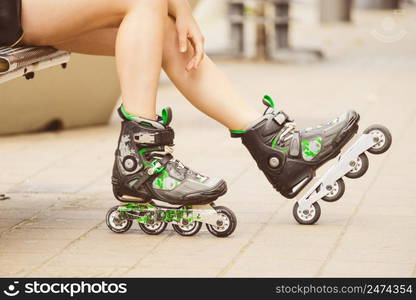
x=335 y=191
x=307 y=216
x=382 y=136
x=116 y=222
x=188 y=230
x=153 y=229
x=228 y=222
x=360 y=167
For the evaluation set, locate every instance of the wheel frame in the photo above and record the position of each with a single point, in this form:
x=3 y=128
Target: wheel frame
x=111 y=227
x=341 y=190
x=232 y=222
x=315 y=218
x=365 y=163
x=387 y=136
x=197 y=227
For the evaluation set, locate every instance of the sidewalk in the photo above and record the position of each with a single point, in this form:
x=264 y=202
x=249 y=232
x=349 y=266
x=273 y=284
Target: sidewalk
x=60 y=189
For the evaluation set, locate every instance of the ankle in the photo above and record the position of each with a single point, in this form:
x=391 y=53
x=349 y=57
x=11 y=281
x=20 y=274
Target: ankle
x=131 y=114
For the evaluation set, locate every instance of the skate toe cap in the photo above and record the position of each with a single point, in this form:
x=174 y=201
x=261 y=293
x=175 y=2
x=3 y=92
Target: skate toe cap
x=213 y=188
x=352 y=118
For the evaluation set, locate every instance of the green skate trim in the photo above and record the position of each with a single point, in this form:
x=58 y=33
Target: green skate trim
x=237 y=131
x=131 y=117
x=144 y=150
x=151 y=164
x=268 y=101
x=167 y=215
x=141 y=152
x=309 y=148
x=165 y=116
x=126 y=114
x=160 y=181
x=275 y=140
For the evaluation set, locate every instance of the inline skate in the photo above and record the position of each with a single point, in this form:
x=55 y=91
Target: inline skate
x=289 y=157
x=145 y=174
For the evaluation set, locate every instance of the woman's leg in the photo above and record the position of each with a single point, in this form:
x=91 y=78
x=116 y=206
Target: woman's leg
x=97 y=42
x=206 y=88
x=138 y=46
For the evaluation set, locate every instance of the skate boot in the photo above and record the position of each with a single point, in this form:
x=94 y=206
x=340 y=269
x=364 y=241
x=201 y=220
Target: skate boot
x=289 y=157
x=145 y=173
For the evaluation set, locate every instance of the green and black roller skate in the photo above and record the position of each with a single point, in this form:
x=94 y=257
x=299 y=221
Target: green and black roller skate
x=145 y=174
x=289 y=157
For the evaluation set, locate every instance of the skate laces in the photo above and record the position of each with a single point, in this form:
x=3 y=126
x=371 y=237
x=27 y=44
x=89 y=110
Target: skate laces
x=289 y=126
x=285 y=134
x=181 y=168
x=176 y=163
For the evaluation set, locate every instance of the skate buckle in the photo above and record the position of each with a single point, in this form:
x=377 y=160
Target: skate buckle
x=155 y=167
x=280 y=118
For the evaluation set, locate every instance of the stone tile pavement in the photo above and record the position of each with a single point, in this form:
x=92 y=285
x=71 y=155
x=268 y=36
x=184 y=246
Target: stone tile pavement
x=60 y=190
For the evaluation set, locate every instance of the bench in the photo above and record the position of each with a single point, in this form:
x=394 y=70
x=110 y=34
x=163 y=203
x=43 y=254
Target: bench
x=25 y=61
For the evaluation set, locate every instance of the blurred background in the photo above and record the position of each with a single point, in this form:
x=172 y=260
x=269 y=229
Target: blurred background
x=316 y=58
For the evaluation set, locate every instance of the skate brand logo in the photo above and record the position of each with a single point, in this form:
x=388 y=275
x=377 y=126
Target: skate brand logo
x=70 y=289
x=11 y=290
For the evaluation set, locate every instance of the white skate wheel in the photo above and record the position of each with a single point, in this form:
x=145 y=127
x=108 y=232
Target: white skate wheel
x=189 y=229
x=116 y=222
x=359 y=167
x=382 y=138
x=155 y=228
x=307 y=216
x=227 y=222
x=335 y=191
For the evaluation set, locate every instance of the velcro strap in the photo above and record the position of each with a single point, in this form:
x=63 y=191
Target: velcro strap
x=156 y=138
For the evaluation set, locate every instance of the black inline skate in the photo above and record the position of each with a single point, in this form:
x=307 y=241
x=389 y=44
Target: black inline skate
x=145 y=172
x=289 y=157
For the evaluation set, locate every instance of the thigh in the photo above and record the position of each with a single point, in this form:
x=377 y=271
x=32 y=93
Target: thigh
x=47 y=22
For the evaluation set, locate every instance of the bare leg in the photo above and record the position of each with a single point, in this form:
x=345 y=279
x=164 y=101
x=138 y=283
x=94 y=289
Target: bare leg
x=206 y=88
x=98 y=42
x=141 y=32
x=138 y=47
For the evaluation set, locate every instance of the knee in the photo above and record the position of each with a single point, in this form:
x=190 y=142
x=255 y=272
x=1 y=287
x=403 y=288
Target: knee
x=155 y=5
x=119 y=9
x=171 y=42
x=171 y=46
x=171 y=34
